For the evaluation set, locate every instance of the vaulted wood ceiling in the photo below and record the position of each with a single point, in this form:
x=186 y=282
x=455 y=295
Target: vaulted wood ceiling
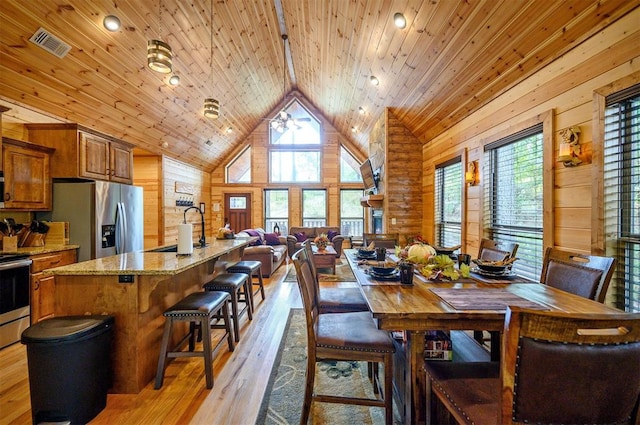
x=453 y=57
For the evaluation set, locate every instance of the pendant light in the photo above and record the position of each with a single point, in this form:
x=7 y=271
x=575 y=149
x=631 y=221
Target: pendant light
x=159 y=53
x=211 y=105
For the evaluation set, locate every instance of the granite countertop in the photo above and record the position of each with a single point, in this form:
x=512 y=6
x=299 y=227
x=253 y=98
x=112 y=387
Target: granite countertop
x=35 y=250
x=151 y=263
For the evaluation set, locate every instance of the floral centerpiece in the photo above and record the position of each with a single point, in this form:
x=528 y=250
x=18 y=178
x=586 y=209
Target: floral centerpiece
x=321 y=241
x=417 y=251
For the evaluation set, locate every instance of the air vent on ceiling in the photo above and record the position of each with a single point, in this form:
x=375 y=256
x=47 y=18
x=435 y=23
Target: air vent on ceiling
x=50 y=43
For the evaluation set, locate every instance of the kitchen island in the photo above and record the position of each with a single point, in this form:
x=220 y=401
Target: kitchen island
x=137 y=288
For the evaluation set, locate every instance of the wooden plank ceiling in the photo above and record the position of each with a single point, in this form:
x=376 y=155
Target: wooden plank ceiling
x=452 y=57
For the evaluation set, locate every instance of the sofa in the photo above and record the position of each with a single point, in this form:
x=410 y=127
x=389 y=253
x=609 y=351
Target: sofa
x=270 y=249
x=297 y=235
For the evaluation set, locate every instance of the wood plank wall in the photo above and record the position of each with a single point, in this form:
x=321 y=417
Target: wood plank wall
x=258 y=140
x=166 y=180
x=566 y=87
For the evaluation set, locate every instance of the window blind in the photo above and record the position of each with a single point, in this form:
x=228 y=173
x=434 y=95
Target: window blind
x=622 y=193
x=448 y=203
x=514 y=196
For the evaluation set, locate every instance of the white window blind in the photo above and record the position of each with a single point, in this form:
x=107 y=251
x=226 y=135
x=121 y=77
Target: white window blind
x=514 y=196
x=448 y=203
x=622 y=193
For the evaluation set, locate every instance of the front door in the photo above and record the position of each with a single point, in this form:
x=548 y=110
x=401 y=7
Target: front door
x=237 y=207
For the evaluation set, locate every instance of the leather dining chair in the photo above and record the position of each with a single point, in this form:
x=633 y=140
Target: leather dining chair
x=491 y=250
x=585 y=275
x=555 y=368
x=342 y=337
x=382 y=240
x=335 y=299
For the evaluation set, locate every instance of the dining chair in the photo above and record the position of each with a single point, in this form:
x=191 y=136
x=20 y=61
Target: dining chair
x=492 y=250
x=335 y=299
x=585 y=275
x=382 y=240
x=342 y=337
x=555 y=368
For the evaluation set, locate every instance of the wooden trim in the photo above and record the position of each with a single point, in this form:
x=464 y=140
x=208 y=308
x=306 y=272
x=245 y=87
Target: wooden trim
x=598 y=239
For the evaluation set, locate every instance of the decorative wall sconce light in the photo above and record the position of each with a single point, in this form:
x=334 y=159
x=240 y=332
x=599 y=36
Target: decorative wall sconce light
x=569 y=147
x=111 y=22
x=399 y=20
x=211 y=108
x=471 y=175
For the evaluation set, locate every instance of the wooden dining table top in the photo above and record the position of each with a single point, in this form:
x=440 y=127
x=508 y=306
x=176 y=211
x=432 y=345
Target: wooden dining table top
x=443 y=305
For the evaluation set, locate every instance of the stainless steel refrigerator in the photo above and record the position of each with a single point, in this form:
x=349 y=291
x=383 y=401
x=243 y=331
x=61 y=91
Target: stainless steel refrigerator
x=104 y=218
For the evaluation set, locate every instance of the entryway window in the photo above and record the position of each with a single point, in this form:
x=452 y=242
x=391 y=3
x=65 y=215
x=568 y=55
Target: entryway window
x=514 y=196
x=276 y=210
x=314 y=207
x=448 y=203
x=622 y=193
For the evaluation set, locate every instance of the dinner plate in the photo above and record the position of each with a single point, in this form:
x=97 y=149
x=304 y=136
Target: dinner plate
x=392 y=276
x=505 y=273
x=366 y=257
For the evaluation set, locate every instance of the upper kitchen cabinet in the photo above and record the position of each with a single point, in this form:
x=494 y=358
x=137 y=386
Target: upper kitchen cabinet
x=84 y=153
x=27 y=178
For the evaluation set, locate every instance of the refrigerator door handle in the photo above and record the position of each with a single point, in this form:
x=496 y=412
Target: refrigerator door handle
x=120 y=226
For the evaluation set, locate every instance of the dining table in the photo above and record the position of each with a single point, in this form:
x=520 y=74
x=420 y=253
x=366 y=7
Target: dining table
x=473 y=303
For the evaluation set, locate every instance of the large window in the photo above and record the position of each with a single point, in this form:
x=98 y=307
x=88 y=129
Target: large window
x=622 y=192
x=351 y=213
x=448 y=203
x=514 y=196
x=239 y=169
x=276 y=210
x=295 y=166
x=349 y=167
x=314 y=207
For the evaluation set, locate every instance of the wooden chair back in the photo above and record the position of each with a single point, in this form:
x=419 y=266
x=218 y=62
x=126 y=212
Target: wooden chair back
x=382 y=240
x=567 y=368
x=491 y=250
x=585 y=275
x=308 y=292
x=312 y=264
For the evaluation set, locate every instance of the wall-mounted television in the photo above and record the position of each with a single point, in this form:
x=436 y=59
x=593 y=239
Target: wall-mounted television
x=369 y=180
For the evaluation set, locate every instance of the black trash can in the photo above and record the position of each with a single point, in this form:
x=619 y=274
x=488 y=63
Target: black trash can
x=69 y=360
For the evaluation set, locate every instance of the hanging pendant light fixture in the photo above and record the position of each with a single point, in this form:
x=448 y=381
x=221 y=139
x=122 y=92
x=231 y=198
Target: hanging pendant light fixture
x=159 y=53
x=211 y=105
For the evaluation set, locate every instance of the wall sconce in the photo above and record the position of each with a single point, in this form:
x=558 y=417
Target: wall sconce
x=471 y=175
x=569 y=147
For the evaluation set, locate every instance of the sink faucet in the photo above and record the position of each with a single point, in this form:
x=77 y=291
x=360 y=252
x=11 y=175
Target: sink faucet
x=202 y=240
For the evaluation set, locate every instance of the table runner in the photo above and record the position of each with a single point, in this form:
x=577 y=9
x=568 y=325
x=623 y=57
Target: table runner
x=483 y=299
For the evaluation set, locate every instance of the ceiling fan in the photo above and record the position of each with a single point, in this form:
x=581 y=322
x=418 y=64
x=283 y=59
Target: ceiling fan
x=284 y=121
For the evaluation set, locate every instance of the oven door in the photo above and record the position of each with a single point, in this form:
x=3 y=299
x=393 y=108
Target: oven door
x=14 y=300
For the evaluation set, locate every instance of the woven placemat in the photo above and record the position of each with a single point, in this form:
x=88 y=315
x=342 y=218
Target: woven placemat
x=483 y=299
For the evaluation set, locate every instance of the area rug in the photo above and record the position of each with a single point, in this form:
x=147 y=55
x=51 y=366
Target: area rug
x=282 y=402
x=343 y=273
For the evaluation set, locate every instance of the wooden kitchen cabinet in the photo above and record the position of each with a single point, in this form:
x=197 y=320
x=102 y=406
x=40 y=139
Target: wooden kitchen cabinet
x=43 y=286
x=84 y=153
x=27 y=177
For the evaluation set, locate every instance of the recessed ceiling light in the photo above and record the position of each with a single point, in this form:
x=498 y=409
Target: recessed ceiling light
x=111 y=22
x=399 y=20
x=374 y=80
x=165 y=145
x=174 y=80
x=361 y=110
x=354 y=129
x=229 y=130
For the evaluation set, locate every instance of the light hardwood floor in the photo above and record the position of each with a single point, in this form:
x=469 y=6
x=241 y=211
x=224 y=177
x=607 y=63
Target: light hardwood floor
x=240 y=378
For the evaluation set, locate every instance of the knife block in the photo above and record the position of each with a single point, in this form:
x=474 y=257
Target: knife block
x=9 y=243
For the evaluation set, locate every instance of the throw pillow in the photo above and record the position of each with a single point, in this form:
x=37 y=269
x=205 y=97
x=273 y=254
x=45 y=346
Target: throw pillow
x=332 y=234
x=271 y=239
x=301 y=236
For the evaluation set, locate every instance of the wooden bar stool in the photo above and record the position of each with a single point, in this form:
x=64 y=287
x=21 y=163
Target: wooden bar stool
x=238 y=286
x=199 y=309
x=253 y=269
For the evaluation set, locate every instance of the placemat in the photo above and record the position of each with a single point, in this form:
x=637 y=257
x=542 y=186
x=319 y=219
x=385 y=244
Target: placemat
x=483 y=299
x=366 y=279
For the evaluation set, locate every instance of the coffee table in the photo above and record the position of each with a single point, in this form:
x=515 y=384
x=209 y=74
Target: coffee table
x=325 y=258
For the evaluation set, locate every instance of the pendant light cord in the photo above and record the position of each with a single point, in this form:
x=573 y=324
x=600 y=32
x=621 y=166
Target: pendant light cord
x=211 y=44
